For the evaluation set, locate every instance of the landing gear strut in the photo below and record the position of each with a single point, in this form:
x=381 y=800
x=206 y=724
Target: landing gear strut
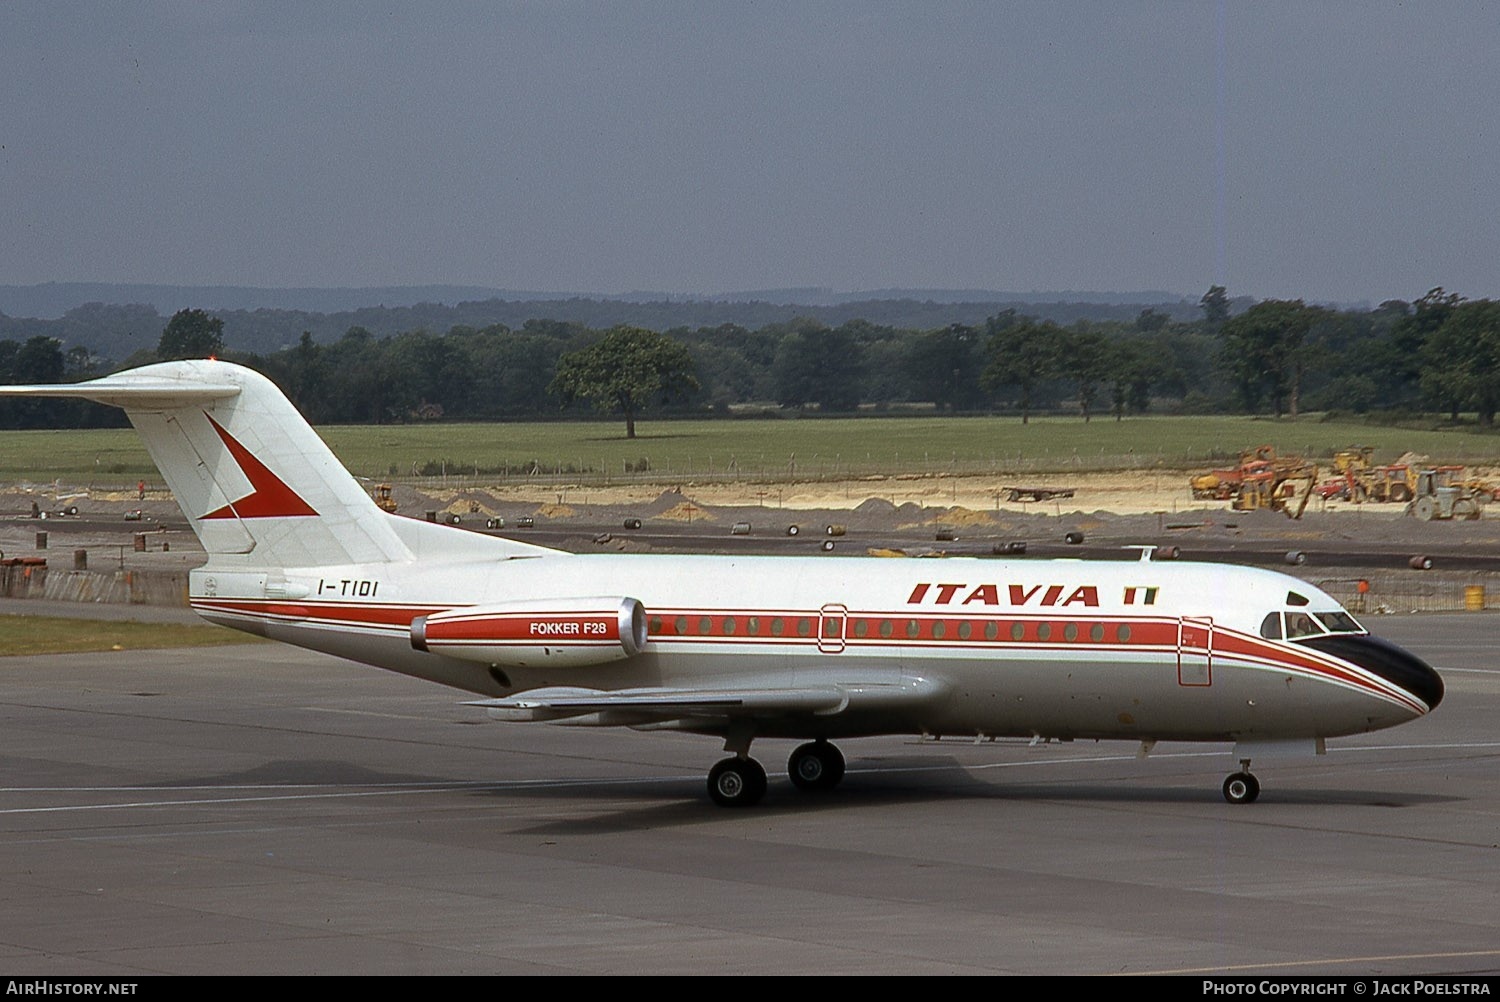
x=816 y=766
x=1241 y=787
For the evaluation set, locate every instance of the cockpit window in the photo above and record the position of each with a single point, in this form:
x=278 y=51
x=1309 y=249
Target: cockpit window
x=1339 y=622
x=1300 y=624
x=1297 y=625
x=1293 y=599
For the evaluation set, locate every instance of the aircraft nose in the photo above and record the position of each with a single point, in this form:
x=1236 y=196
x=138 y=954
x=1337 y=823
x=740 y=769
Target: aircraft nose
x=1394 y=664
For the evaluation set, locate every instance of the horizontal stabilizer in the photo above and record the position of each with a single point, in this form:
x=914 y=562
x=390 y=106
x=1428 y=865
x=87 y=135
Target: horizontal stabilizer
x=136 y=392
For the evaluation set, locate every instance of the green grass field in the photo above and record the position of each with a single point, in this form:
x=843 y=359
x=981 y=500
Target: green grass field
x=769 y=448
x=53 y=635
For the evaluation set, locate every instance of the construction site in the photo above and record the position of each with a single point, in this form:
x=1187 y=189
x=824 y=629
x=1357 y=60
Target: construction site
x=1262 y=479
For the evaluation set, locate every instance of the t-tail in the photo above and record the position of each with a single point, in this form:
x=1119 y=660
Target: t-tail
x=257 y=484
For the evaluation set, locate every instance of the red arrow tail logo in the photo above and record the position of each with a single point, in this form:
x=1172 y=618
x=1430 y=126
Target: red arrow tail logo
x=269 y=497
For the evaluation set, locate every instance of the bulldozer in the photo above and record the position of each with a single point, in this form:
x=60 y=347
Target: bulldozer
x=1359 y=480
x=1395 y=483
x=1225 y=484
x=1276 y=487
x=1261 y=480
x=1442 y=494
x=1354 y=480
x=383 y=499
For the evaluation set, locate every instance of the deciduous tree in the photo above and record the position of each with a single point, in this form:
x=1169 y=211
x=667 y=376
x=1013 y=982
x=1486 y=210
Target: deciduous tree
x=626 y=370
x=1022 y=353
x=943 y=366
x=191 y=334
x=1215 y=306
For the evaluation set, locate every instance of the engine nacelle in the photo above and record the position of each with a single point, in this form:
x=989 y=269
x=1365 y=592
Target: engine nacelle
x=556 y=632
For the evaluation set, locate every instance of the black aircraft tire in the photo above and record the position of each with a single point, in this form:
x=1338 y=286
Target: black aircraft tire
x=1241 y=788
x=815 y=766
x=737 y=782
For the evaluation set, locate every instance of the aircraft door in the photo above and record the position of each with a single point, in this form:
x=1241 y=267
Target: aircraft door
x=1195 y=651
x=833 y=621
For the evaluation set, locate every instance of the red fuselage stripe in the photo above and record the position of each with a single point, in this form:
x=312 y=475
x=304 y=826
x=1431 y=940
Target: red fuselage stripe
x=803 y=627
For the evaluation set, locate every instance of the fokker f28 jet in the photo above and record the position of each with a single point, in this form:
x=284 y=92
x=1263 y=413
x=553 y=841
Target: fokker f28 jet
x=809 y=648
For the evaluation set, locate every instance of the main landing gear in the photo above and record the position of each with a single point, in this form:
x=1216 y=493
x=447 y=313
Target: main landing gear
x=817 y=765
x=737 y=782
x=1241 y=787
x=741 y=781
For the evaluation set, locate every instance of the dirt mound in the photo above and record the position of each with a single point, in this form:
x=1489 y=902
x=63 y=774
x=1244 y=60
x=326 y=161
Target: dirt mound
x=875 y=508
x=556 y=511
x=962 y=516
x=685 y=511
x=462 y=507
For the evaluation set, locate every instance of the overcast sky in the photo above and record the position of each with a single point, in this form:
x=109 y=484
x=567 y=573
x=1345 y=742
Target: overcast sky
x=1341 y=151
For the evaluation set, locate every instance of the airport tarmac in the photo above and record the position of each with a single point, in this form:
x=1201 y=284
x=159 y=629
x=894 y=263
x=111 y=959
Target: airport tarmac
x=261 y=810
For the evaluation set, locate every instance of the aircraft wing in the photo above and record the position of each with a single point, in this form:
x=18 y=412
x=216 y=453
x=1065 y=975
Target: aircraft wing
x=629 y=705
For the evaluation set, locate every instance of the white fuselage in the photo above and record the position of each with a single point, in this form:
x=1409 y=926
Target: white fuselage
x=1138 y=649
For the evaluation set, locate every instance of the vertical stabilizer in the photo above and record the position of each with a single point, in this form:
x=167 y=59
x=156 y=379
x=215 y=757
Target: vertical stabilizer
x=251 y=475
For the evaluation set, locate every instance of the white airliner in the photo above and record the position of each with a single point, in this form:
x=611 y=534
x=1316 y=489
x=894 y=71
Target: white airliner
x=811 y=648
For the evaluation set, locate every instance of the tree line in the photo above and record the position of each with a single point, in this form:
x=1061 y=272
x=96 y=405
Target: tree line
x=1279 y=357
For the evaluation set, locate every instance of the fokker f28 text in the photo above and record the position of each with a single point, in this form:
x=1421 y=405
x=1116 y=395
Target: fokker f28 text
x=806 y=648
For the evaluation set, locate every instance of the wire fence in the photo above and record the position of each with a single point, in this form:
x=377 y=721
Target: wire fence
x=1415 y=592
x=773 y=469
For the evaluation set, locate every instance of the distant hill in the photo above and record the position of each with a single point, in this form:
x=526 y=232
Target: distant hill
x=116 y=320
x=52 y=300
